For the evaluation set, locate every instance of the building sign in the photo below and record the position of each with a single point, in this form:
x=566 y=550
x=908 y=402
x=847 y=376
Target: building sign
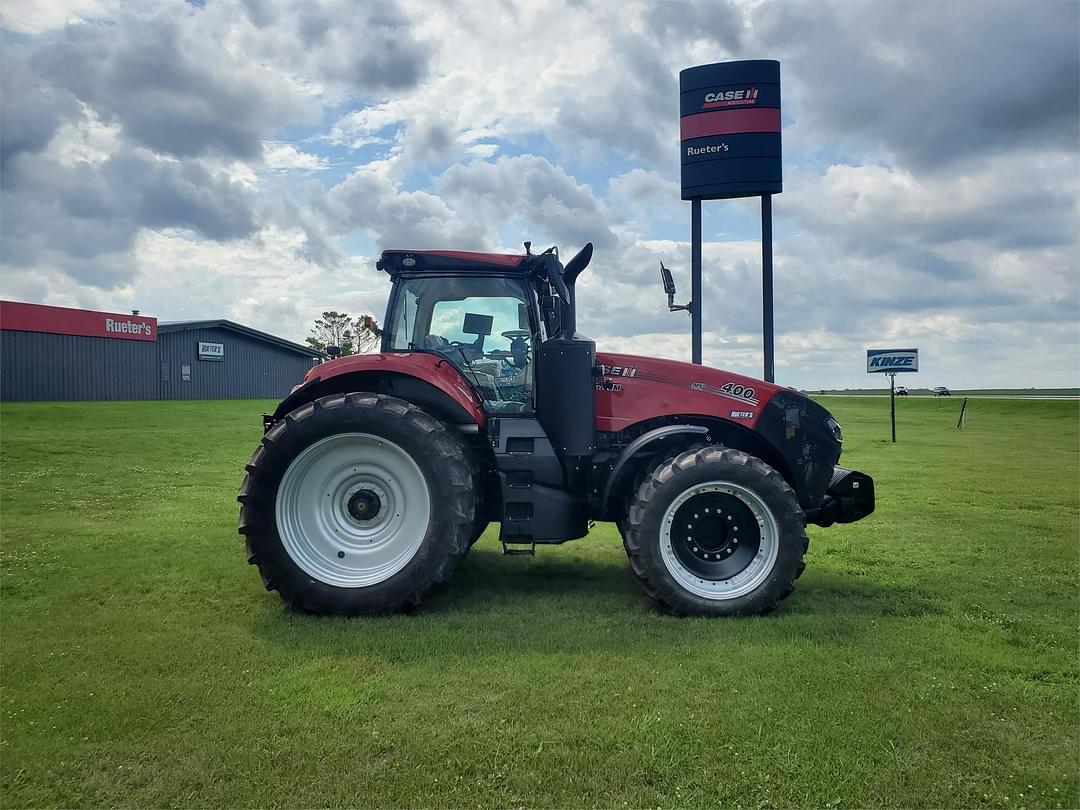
x=20 y=317
x=211 y=351
x=892 y=361
x=730 y=129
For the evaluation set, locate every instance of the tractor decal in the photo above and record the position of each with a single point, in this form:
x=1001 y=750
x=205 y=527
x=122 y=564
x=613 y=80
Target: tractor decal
x=731 y=390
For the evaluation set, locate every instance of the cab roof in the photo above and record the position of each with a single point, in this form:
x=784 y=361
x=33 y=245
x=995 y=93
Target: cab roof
x=411 y=261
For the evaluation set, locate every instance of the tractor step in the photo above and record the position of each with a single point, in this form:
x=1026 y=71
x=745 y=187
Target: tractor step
x=536 y=509
x=509 y=551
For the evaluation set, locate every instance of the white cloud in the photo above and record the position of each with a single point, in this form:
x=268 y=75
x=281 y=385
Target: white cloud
x=286 y=156
x=35 y=17
x=234 y=159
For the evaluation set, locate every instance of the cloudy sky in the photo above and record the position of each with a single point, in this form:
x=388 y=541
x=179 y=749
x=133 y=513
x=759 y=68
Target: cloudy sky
x=249 y=160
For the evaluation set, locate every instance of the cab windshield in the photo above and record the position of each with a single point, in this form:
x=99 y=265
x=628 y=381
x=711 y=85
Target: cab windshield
x=481 y=325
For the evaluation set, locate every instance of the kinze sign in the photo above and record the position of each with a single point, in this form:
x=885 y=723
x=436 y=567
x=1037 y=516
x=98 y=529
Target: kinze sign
x=892 y=361
x=730 y=129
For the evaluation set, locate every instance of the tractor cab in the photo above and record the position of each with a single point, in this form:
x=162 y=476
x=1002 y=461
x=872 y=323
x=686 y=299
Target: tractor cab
x=507 y=323
x=486 y=325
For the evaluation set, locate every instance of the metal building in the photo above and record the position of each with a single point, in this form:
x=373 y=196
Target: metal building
x=57 y=353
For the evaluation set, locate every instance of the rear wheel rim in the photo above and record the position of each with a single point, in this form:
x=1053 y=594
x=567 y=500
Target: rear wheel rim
x=726 y=564
x=323 y=496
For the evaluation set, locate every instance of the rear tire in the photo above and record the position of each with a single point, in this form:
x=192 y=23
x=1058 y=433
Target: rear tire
x=716 y=532
x=357 y=504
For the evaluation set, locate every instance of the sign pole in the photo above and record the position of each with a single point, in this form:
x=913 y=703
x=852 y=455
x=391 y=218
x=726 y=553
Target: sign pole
x=767 y=285
x=892 y=402
x=729 y=140
x=695 y=281
x=963 y=413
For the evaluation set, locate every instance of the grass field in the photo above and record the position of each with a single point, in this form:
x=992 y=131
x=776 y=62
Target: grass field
x=928 y=657
x=1008 y=393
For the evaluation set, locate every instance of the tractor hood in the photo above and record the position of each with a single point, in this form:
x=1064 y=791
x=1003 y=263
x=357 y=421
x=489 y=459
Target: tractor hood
x=631 y=389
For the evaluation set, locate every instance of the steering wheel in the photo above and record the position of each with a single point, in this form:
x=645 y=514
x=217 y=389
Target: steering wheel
x=519 y=347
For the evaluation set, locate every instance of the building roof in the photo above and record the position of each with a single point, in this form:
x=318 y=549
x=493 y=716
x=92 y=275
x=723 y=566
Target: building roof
x=221 y=323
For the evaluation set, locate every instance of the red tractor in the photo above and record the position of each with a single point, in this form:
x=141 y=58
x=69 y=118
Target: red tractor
x=378 y=472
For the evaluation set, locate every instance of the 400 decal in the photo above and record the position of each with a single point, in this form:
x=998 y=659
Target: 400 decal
x=736 y=391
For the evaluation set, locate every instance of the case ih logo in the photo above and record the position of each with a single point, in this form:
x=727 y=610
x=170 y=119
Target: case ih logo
x=128 y=327
x=730 y=98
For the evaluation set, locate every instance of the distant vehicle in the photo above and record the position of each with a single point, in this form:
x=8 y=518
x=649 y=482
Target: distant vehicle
x=942 y=391
x=901 y=391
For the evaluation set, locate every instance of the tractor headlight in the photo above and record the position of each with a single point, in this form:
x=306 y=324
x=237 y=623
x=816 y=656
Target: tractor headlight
x=835 y=429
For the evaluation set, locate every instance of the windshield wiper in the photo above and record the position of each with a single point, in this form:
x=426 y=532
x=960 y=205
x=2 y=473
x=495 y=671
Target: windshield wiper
x=468 y=365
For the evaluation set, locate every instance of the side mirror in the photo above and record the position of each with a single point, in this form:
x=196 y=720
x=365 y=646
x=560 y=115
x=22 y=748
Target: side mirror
x=669 y=290
x=669 y=282
x=333 y=351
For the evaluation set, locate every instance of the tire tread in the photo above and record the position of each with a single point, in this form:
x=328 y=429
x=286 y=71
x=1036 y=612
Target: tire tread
x=634 y=538
x=257 y=492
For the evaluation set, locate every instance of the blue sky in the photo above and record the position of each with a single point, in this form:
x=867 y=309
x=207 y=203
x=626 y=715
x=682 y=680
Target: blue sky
x=249 y=159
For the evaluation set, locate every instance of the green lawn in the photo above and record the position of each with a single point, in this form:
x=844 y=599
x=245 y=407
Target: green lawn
x=928 y=657
x=916 y=391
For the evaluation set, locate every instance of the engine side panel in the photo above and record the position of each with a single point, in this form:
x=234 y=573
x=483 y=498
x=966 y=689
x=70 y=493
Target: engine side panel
x=632 y=389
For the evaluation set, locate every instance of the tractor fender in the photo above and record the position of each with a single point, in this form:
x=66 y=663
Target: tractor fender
x=623 y=467
x=423 y=379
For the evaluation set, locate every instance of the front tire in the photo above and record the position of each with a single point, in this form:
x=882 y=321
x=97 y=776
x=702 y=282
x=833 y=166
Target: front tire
x=716 y=532
x=357 y=504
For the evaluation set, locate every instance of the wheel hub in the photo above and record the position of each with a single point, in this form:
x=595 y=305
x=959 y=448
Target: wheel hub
x=352 y=509
x=364 y=504
x=715 y=535
x=719 y=540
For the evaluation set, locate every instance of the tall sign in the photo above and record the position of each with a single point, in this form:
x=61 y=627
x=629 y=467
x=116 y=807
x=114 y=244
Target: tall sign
x=892 y=362
x=729 y=130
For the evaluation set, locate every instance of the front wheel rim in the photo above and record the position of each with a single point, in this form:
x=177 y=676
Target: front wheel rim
x=325 y=493
x=694 y=577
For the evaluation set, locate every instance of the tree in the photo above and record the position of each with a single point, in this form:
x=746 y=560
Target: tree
x=338 y=329
x=367 y=335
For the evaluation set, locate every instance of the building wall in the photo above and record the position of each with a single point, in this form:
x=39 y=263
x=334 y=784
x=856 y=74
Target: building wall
x=45 y=366
x=250 y=369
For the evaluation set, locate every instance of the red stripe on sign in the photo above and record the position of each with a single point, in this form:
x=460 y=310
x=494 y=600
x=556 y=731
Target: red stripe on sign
x=728 y=122
x=19 y=317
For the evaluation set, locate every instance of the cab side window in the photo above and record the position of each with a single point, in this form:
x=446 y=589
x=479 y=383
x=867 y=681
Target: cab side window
x=479 y=325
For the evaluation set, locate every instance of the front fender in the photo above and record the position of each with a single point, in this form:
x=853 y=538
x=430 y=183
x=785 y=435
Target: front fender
x=644 y=443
